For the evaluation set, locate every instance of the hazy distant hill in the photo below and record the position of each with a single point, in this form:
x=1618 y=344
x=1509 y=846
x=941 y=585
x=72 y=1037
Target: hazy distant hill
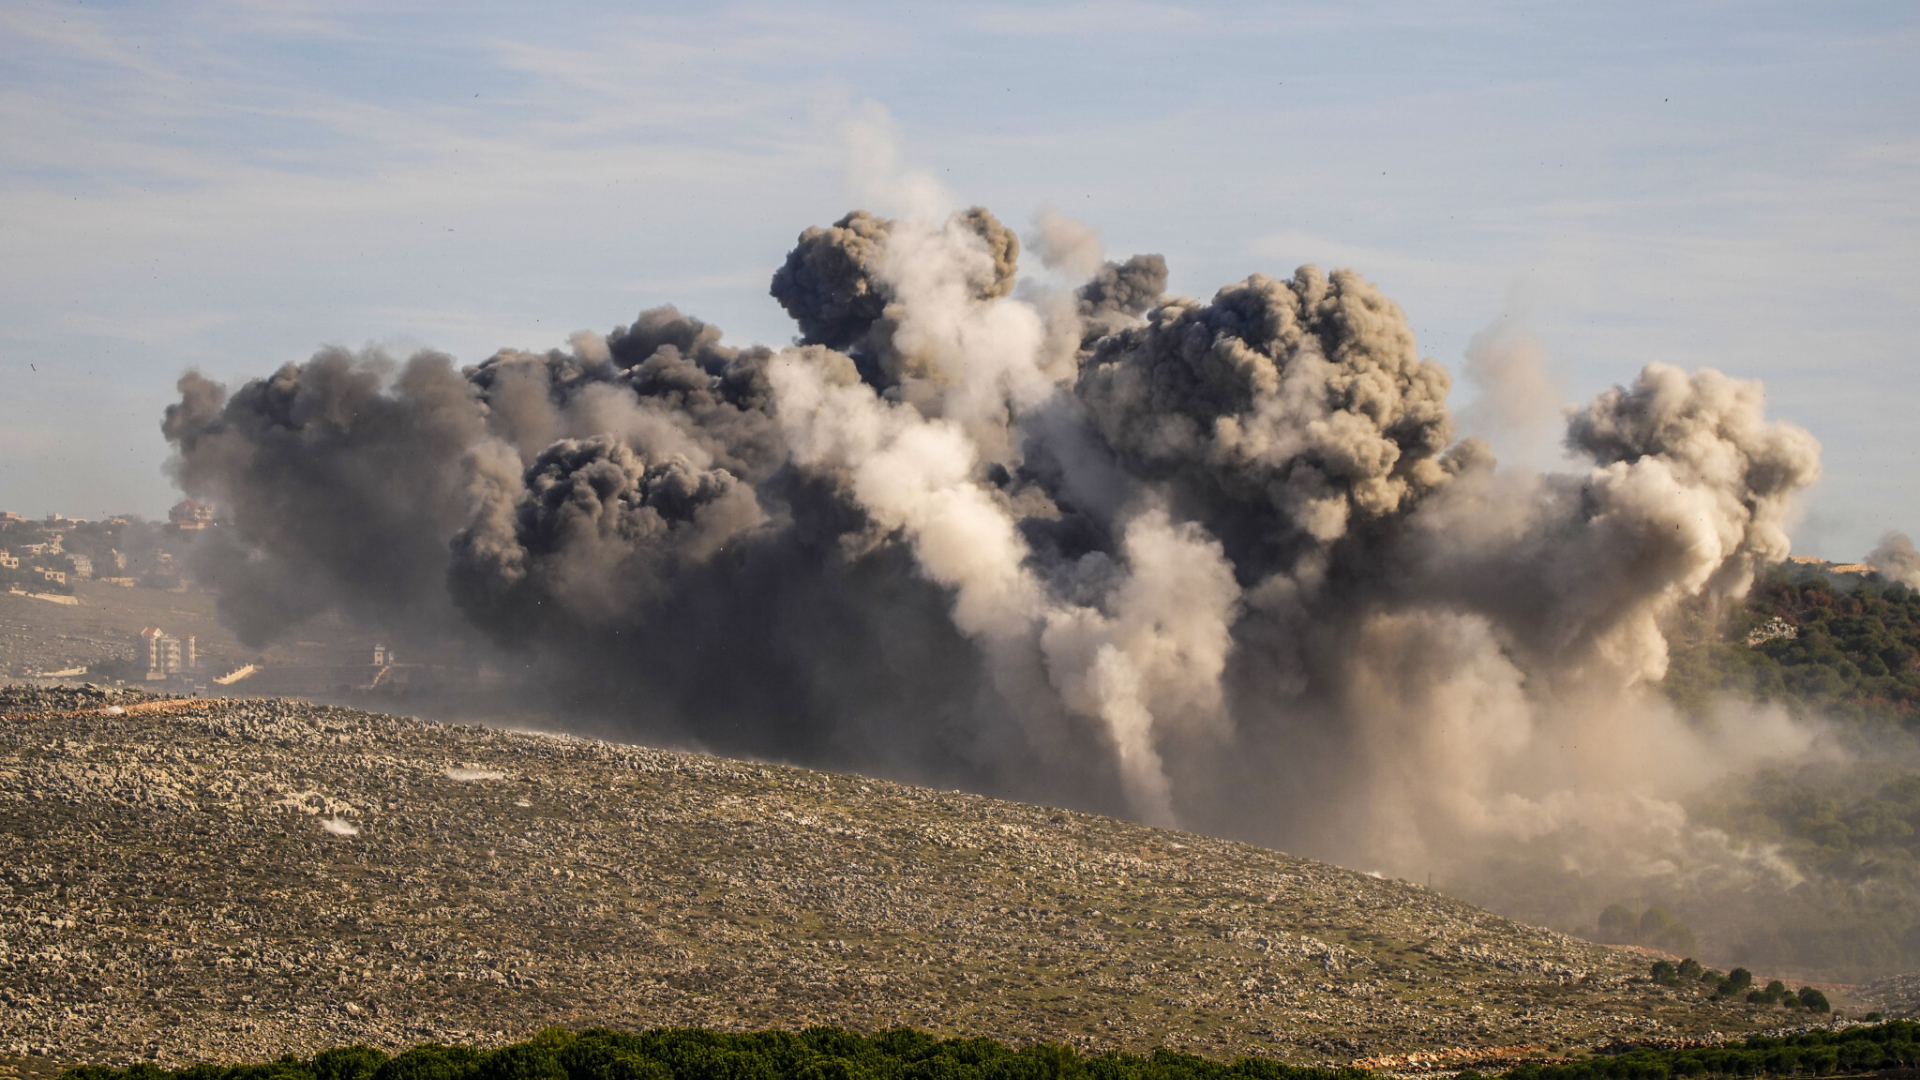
x=240 y=878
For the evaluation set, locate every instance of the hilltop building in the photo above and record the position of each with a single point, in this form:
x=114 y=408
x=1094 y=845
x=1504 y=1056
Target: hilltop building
x=187 y=514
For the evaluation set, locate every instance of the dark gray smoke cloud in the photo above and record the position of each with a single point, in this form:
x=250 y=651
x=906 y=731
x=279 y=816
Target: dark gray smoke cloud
x=831 y=281
x=1289 y=412
x=1119 y=293
x=1222 y=563
x=335 y=473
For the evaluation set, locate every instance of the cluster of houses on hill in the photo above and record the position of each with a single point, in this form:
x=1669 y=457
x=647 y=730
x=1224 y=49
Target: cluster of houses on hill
x=50 y=554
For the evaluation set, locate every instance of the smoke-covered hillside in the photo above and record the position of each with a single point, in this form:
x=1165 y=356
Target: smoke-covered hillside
x=1224 y=563
x=215 y=879
x=1208 y=562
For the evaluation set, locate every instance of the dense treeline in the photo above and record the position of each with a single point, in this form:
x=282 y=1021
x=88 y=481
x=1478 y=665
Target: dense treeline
x=819 y=1053
x=823 y=1053
x=1851 y=1051
x=1738 y=983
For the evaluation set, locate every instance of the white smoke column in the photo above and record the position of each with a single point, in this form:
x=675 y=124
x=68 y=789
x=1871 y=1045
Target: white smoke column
x=1161 y=651
x=913 y=474
x=1150 y=667
x=985 y=356
x=1158 y=653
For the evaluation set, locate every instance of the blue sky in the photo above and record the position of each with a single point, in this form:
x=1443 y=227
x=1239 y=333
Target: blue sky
x=230 y=185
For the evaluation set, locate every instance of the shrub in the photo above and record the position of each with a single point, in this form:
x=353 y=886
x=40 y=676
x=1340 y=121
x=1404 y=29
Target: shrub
x=348 y=1063
x=429 y=1061
x=522 y=1061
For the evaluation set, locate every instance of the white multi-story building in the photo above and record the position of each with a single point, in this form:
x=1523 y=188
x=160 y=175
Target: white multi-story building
x=162 y=654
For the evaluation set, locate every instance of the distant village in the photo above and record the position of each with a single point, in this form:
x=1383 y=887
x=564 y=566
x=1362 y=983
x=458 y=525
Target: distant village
x=51 y=558
x=48 y=555
x=57 y=559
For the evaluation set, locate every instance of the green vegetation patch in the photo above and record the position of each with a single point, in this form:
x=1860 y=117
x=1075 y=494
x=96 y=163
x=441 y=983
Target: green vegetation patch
x=818 y=1053
x=1849 y=654
x=1846 y=1052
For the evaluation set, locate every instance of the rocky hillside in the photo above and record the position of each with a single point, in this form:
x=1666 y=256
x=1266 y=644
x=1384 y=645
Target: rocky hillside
x=195 y=879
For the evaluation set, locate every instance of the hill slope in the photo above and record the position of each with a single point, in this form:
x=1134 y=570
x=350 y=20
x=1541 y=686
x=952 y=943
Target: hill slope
x=217 y=879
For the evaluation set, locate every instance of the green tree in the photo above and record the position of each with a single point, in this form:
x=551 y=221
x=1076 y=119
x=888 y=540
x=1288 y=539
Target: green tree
x=1617 y=924
x=429 y=1061
x=348 y=1063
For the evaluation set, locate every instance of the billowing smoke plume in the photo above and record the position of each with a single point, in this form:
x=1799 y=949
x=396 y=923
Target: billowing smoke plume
x=1222 y=563
x=1896 y=558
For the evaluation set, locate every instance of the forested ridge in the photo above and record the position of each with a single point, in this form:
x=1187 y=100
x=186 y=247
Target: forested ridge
x=1848 y=652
